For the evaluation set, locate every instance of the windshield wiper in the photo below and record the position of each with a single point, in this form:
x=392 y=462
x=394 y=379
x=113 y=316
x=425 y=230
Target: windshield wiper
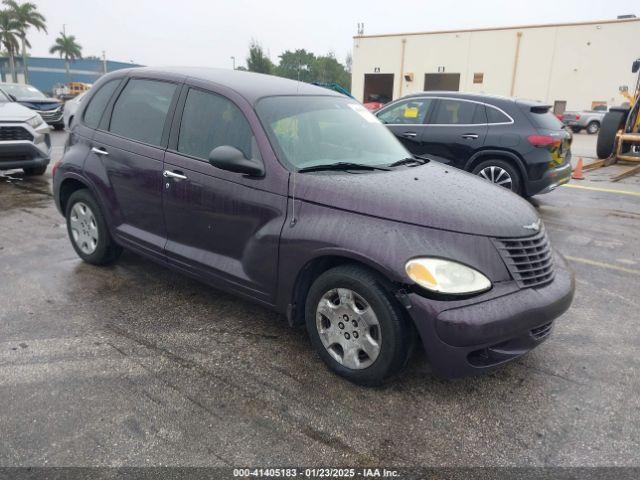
x=416 y=159
x=340 y=166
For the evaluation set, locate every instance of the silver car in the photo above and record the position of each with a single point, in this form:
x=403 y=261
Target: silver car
x=25 y=140
x=70 y=108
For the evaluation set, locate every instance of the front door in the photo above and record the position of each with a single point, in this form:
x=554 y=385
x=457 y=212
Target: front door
x=223 y=227
x=455 y=131
x=406 y=119
x=131 y=150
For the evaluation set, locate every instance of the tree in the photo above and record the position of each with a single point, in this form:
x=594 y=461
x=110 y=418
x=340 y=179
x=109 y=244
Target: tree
x=257 y=61
x=26 y=15
x=9 y=33
x=296 y=65
x=327 y=69
x=67 y=47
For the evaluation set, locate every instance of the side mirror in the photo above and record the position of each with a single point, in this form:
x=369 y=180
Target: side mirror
x=231 y=159
x=636 y=66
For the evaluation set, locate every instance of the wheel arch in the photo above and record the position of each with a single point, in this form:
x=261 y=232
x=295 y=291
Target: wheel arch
x=67 y=187
x=497 y=154
x=321 y=263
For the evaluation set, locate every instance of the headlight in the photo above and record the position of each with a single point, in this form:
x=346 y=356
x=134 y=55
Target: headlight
x=35 y=121
x=445 y=276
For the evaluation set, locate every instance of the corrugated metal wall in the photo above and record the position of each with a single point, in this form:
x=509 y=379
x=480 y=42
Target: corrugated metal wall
x=47 y=73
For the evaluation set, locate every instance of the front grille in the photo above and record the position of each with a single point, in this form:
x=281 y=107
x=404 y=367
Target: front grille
x=541 y=331
x=529 y=259
x=14 y=133
x=51 y=115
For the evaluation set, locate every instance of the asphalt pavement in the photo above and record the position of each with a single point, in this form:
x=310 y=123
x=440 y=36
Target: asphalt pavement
x=134 y=364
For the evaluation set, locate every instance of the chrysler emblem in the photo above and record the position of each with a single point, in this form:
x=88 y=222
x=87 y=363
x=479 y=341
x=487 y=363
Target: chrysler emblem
x=535 y=226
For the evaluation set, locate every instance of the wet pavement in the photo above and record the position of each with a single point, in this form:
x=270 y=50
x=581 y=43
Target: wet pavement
x=136 y=365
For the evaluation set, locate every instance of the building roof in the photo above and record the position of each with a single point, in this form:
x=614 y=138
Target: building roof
x=252 y=86
x=513 y=27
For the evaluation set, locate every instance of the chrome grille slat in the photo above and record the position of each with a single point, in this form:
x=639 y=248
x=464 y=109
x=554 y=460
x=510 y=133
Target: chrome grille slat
x=529 y=259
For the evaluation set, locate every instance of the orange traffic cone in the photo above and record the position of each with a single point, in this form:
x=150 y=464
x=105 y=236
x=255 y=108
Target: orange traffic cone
x=577 y=172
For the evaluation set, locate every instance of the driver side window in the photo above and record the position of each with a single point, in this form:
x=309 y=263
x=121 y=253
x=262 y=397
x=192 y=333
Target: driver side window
x=409 y=112
x=210 y=121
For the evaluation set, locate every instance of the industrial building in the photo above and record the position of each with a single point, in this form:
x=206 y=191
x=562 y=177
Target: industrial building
x=47 y=73
x=571 y=66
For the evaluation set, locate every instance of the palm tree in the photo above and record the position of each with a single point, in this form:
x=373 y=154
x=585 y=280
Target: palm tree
x=9 y=33
x=26 y=16
x=67 y=47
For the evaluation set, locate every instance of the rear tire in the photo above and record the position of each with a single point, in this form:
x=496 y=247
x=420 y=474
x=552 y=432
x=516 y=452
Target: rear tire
x=88 y=230
x=356 y=326
x=501 y=173
x=593 y=128
x=33 y=171
x=613 y=121
x=576 y=129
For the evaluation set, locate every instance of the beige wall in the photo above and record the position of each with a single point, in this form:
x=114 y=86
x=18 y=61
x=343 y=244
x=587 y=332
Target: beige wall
x=579 y=63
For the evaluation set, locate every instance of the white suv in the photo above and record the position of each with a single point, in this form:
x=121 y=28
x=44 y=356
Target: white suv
x=25 y=140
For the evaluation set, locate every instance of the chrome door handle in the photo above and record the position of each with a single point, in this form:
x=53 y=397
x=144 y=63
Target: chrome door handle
x=170 y=174
x=99 y=151
x=409 y=134
x=470 y=136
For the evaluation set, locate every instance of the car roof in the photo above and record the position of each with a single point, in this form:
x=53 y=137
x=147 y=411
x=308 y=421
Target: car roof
x=252 y=86
x=497 y=100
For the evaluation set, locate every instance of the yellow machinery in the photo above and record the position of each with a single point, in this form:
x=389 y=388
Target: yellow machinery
x=619 y=136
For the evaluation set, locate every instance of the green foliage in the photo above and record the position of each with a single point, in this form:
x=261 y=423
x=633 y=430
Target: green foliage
x=9 y=32
x=67 y=47
x=257 y=61
x=26 y=15
x=301 y=65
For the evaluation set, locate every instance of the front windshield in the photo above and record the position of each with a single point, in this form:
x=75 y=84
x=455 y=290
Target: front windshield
x=22 y=91
x=309 y=131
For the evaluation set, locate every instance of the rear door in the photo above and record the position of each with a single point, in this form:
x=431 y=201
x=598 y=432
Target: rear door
x=130 y=144
x=406 y=119
x=456 y=130
x=223 y=227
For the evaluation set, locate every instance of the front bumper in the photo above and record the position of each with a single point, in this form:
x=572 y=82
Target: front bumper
x=477 y=337
x=26 y=153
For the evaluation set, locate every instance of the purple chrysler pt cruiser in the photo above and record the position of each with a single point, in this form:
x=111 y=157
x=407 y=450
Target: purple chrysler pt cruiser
x=296 y=197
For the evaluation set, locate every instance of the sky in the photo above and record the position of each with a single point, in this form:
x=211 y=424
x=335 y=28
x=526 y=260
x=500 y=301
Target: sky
x=208 y=32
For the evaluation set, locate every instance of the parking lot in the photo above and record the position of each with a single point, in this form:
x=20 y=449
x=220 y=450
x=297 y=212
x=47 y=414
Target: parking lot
x=137 y=365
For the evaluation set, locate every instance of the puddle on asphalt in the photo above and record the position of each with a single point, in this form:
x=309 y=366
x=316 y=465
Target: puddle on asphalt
x=17 y=191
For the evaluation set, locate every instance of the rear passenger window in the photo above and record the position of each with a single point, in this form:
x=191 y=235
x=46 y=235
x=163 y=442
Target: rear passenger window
x=496 y=116
x=458 y=112
x=95 y=109
x=141 y=110
x=211 y=121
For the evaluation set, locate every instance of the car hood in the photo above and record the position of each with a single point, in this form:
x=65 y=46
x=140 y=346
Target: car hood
x=431 y=195
x=12 y=111
x=40 y=103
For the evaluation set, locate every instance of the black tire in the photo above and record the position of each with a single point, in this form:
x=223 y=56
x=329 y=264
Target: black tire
x=106 y=250
x=33 y=171
x=576 y=129
x=613 y=121
x=396 y=334
x=593 y=127
x=516 y=178
x=58 y=126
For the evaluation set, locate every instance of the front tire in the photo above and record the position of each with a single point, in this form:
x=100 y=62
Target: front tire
x=356 y=326
x=88 y=230
x=500 y=172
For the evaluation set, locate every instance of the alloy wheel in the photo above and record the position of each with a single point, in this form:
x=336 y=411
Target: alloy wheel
x=84 y=228
x=348 y=328
x=497 y=175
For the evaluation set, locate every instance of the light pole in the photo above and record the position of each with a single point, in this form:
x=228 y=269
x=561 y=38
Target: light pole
x=233 y=59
